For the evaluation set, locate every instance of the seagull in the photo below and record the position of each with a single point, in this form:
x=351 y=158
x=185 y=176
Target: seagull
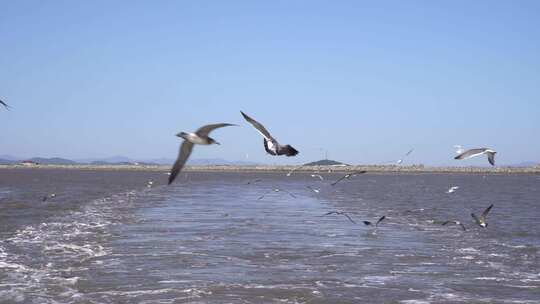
x=347 y=176
x=455 y=223
x=276 y=190
x=48 y=196
x=150 y=183
x=475 y=152
x=253 y=181
x=200 y=137
x=340 y=213
x=459 y=149
x=406 y=154
x=481 y=221
x=294 y=169
x=367 y=223
x=318 y=176
x=4 y=104
x=313 y=189
x=271 y=145
x=452 y=189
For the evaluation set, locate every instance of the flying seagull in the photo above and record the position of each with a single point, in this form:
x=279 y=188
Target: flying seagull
x=452 y=189
x=271 y=145
x=200 y=137
x=313 y=189
x=276 y=190
x=406 y=154
x=48 y=196
x=481 y=221
x=367 y=223
x=340 y=213
x=455 y=223
x=4 y=104
x=294 y=169
x=475 y=152
x=318 y=176
x=347 y=176
x=253 y=181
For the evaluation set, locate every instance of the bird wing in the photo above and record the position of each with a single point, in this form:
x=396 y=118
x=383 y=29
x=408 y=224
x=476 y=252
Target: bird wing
x=4 y=104
x=183 y=155
x=350 y=219
x=491 y=158
x=380 y=220
x=340 y=179
x=258 y=126
x=290 y=193
x=328 y=213
x=293 y=169
x=410 y=151
x=205 y=130
x=476 y=218
x=446 y=223
x=359 y=172
x=485 y=213
x=471 y=153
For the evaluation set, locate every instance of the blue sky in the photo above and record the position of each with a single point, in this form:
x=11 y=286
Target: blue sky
x=366 y=81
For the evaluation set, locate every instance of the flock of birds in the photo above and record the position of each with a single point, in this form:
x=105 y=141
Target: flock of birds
x=273 y=147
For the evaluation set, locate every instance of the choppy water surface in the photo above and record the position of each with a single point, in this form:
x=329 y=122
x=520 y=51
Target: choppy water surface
x=107 y=238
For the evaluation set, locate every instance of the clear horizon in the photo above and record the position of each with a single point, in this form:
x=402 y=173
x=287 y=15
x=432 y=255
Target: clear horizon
x=365 y=82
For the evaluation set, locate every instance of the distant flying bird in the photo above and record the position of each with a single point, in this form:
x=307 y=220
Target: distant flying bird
x=149 y=183
x=475 y=152
x=347 y=176
x=313 y=189
x=276 y=190
x=200 y=137
x=455 y=223
x=481 y=221
x=253 y=181
x=452 y=189
x=4 y=104
x=318 y=176
x=459 y=149
x=294 y=169
x=367 y=223
x=340 y=213
x=406 y=154
x=271 y=145
x=48 y=196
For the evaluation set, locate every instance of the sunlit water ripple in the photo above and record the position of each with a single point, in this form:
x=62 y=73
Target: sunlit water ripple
x=107 y=238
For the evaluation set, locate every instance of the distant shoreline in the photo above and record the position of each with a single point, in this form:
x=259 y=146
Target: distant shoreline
x=286 y=169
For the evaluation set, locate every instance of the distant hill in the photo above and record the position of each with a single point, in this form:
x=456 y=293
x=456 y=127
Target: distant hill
x=217 y=161
x=326 y=162
x=122 y=160
x=9 y=157
x=52 y=161
x=525 y=164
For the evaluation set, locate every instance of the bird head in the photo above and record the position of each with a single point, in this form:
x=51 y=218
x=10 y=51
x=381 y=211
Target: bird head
x=182 y=135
